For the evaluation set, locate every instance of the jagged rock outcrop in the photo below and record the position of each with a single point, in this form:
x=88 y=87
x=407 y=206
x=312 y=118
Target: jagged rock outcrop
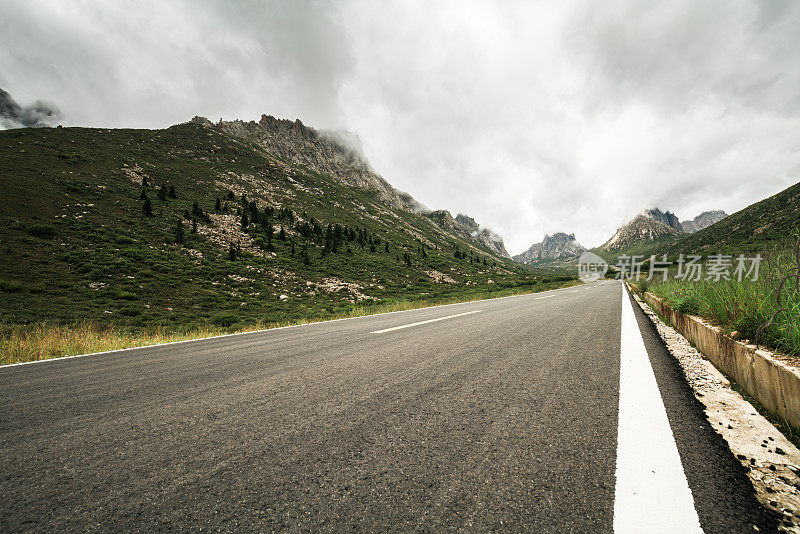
x=337 y=154
x=559 y=246
x=340 y=155
x=668 y=218
x=37 y=115
x=704 y=220
x=486 y=237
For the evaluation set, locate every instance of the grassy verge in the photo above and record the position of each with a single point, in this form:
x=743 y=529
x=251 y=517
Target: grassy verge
x=765 y=310
x=25 y=343
x=791 y=433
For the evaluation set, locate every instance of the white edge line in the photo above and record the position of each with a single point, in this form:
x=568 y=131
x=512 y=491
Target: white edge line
x=61 y=358
x=409 y=325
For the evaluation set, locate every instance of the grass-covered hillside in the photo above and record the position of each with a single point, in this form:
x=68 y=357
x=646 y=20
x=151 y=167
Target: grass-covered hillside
x=755 y=228
x=759 y=227
x=191 y=226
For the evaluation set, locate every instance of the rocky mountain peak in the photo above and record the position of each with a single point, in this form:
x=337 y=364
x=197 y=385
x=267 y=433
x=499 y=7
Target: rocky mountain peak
x=559 y=246
x=704 y=220
x=666 y=217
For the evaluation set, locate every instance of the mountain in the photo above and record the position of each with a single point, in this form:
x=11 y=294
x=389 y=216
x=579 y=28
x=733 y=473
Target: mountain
x=486 y=237
x=753 y=229
x=667 y=218
x=218 y=224
x=704 y=220
x=643 y=228
x=559 y=246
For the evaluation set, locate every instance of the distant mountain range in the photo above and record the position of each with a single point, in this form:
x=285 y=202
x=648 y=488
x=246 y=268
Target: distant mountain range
x=650 y=227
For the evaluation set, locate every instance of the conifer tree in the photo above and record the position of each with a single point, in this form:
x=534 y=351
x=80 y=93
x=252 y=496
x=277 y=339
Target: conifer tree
x=245 y=220
x=179 y=232
x=147 y=208
x=194 y=225
x=217 y=205
x=162 y=193
x=172 y=193
x=144 y=182
x=282 y=234
x=143 y=195
x=386 y=247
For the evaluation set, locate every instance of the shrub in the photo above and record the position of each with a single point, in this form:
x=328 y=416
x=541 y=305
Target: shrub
x=130 y=312
x=7 y=286
x=42 y=230
x=224 y=319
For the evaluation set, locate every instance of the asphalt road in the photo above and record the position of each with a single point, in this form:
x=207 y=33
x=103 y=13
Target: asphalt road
x=490 y=415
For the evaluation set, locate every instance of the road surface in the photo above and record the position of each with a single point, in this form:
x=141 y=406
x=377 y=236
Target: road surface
x=505 y=414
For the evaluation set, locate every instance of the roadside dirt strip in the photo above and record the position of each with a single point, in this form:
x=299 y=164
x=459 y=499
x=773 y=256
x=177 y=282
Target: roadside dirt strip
x=772 y=462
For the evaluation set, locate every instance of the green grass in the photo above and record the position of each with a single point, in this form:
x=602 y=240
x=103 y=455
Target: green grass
x=748 y=309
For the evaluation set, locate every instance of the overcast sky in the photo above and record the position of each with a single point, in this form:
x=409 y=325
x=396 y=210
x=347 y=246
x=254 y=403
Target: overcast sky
x=531 y=117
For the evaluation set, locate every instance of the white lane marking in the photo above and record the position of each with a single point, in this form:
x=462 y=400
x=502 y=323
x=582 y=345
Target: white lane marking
x=424 y=322
x=652 y=494
x=263 y=330
x=540 y=298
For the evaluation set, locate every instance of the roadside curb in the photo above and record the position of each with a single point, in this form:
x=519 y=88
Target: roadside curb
x=761 y=373
x=771 y=462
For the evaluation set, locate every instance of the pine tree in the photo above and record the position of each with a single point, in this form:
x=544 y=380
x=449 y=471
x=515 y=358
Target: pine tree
x=386 y=248
x=179 y=232
x=162 y=193
x=282 y=234
x=245 y=220
x=143 y=195
x=172 y=193
x=147 y=208
x=144 y=182
x=231 y=196
x=194 y=226
x=372 y=248
x=292 y=249
x=306 y=259
x=217 y=205
x=232 y=253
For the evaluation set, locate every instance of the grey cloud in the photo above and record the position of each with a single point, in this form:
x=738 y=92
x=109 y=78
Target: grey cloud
x=532 y=118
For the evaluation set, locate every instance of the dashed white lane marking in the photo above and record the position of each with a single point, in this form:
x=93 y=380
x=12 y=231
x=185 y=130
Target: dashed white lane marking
x=540 y=298
x=423 y=322
x=652 y=494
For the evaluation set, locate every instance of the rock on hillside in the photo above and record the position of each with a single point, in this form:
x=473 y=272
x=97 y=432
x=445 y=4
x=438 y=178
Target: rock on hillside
x=558 y=246
x=704 y=220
